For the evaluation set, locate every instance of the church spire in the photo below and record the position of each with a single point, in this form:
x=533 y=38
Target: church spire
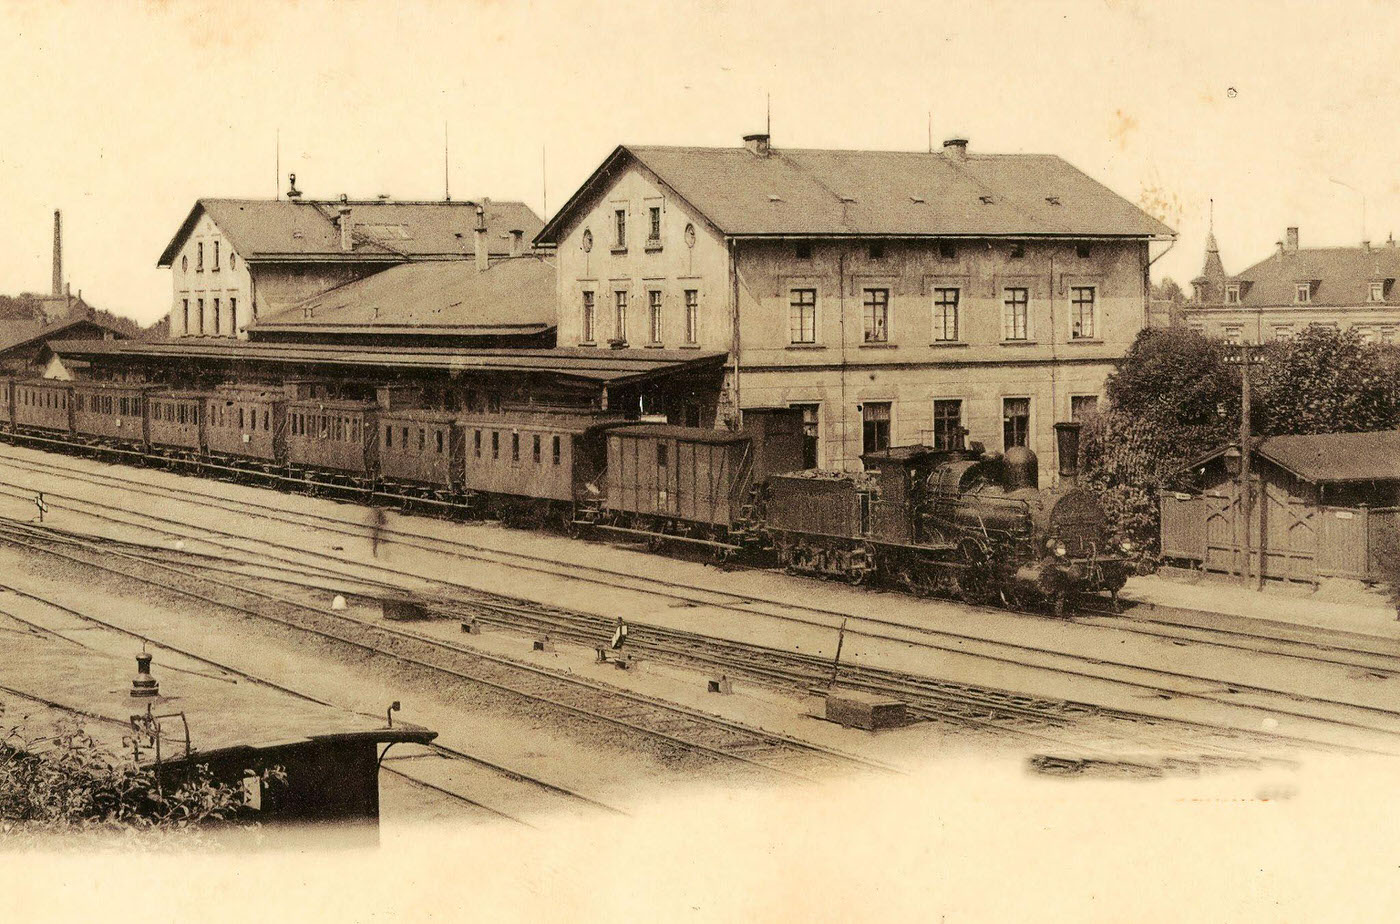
x=1210 y=285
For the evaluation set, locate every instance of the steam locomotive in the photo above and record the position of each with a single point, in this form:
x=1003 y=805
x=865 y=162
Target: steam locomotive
x=961 y=521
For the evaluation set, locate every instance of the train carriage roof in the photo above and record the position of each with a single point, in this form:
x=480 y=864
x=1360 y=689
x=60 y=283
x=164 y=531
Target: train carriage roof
x=683 y=434
x=547 y=421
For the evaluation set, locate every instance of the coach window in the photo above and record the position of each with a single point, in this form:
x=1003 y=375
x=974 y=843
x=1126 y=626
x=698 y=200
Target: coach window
x=1015 y=422
x=388 y=437
x=515 y=447
x=556 y=450
x=537 y=449
x=240 y=418
x=422 y=439
x=495 y=444
x=267 y=420
x=438 y=435
x=476 y=443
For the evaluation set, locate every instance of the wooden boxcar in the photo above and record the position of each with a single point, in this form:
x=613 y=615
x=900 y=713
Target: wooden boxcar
x=43 y=404
x=335 y=435
x=247 y=423
x=420 y=447
x=110 y=411
x=552 y=457
x=683 y=474
x=176 y=420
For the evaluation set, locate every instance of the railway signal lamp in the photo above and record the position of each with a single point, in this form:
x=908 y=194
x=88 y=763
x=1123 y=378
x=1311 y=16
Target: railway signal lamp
x=1232 y=461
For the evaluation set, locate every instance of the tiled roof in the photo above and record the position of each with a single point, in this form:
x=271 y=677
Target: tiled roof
x=605 y=366
x=513 y=295
x=19 y=333
x=1338 y=276
x=832 y=193
x=385 y=230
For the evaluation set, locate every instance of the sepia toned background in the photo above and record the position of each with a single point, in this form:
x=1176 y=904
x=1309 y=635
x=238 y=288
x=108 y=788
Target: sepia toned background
x=122 y=114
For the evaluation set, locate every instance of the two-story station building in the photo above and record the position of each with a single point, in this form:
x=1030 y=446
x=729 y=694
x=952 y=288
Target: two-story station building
x=234 y=261
x=894 y=296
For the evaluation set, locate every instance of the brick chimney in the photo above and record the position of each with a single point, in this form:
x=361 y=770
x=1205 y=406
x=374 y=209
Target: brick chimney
x=347 y=240
x=482 y=256
x=57 y=253
x=1291 y=239
x=516 y=242
x=955 y=148
x=757 y=143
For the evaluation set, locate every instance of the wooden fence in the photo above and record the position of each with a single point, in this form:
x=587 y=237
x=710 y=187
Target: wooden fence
x=1296 y=540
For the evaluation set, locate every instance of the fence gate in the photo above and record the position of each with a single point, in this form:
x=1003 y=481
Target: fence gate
x=1284 y=533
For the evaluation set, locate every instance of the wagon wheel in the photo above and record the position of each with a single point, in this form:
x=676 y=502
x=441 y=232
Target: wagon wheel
x=975 y=583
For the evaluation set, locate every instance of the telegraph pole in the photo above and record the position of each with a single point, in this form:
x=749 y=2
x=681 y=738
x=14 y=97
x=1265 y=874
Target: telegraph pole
x=1244 y=358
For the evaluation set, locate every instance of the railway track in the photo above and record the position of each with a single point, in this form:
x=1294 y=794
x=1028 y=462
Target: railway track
x=680 y=728
x=866 y=626
x=234 y=674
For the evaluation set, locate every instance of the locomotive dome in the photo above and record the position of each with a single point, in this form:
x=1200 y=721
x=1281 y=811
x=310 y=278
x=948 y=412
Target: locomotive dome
x=1020 y=469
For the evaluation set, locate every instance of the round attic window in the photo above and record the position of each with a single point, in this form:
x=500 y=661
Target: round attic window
x=587 y=240
x=689 y=235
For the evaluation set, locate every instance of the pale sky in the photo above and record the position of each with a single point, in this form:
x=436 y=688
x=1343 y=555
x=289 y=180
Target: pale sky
x=123 y=114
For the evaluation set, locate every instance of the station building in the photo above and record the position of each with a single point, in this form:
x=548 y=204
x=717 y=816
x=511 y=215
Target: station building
x=1297 y=287
x=894 y=297
x=234 y=261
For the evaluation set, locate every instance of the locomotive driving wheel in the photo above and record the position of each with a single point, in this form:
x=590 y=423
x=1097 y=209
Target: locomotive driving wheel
x=976 y=583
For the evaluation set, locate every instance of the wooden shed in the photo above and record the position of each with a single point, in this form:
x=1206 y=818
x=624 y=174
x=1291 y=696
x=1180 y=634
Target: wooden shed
x=1324 y=506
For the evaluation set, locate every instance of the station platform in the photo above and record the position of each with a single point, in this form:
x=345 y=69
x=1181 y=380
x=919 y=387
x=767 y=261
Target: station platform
x=1336 y=606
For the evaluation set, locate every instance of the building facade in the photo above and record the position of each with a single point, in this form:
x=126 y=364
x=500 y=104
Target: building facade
x=233 y=261
x=1295 y=288
x=894 y=297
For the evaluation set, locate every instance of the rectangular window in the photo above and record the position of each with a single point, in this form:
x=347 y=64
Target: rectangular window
x=620 y=219
x=1232 y=335
x=947 y=423
x=556 y=450
x=422 y=440
x=515 y=447
x=621 y=297
x=590 y=319
x=233 y=314
x=476 y=443
x=218 y=321
x=240 y=418
x=692 y=315
x=1302 y=293
x=875 y=425
x=1283 y=333
x=803 y=315
x=1081 y=312
x=1015 y=314
x=811 y=434
x=199 y=262
x=403 y=437
x=201 y=316
x=654 y=309
x=945 y=315
x=1232 y=295
x=495 y=444
x=1377 y=292
x=388 y=436
x=216 y=256
x=536 y=448
x=661 y=455
x=187 y=315
x=438 y=436
x=1082 y=407
x=877 y=315
x=1015 y=422
x=654 y=232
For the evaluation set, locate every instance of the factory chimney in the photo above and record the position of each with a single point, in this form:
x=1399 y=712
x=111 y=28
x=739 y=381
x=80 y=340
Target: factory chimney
x=482 y=257
x=57 y=253
x=347 y=240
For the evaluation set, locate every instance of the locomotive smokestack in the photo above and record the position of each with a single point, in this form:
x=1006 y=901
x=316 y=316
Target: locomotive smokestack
x=1067 y=446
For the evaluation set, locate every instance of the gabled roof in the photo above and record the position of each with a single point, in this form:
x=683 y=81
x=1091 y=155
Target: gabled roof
x=1339 y=276
x=872 y=193
x=1329 y=458
x=20 y=333
x=512 y=296
x=384 y=230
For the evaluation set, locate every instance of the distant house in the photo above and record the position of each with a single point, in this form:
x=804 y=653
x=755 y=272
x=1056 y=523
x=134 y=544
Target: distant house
x=1296 y=287
x=234 y=261
x=23 y=344
x=1324 y=506
x=510 y=303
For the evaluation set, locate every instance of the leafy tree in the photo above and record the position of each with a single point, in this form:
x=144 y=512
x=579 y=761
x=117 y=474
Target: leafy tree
x=1325 y=381
x=1175 y=376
